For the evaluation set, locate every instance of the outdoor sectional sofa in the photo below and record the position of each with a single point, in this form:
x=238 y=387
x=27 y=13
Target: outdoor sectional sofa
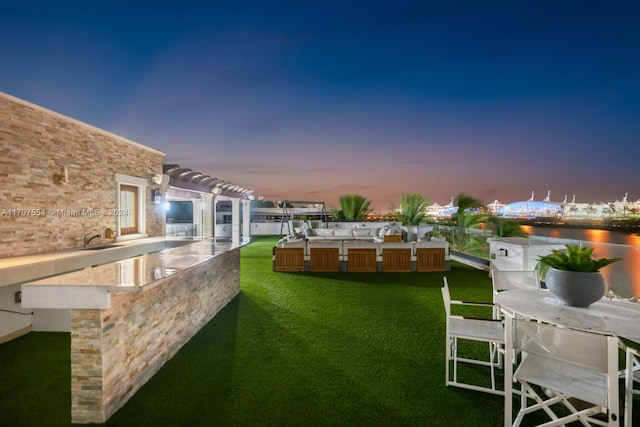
x=342 y=234
x=342 y=250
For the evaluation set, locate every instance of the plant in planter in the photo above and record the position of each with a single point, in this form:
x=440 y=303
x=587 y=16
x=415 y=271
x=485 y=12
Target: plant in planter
x=574 y=275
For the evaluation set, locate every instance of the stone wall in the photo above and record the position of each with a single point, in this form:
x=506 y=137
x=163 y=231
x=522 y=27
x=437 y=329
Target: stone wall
x=117 y=350
x=38 y=214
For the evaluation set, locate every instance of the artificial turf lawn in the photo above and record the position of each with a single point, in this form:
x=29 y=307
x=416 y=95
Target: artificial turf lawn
x=331 y=349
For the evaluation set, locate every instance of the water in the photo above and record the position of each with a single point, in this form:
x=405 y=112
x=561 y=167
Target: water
x=623 y=277
x=590 y=235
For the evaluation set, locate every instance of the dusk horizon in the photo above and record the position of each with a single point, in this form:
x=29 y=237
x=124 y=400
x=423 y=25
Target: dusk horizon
x=311 y=102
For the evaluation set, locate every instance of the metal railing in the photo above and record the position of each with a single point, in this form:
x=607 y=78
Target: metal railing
x=180 y=230
x=623 y=277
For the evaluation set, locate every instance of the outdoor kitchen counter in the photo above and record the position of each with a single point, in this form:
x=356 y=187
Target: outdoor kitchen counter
x=91 y=287
x=129 y=317
x=30 y=267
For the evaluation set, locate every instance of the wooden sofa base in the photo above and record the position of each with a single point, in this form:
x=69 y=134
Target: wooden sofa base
x=396 y=260
x=288 y=259
x=359 y=260
x=430 y=259
x=324 y=259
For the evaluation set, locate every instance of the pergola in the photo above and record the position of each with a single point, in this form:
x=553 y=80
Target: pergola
x=204 y=191
x=189 y=180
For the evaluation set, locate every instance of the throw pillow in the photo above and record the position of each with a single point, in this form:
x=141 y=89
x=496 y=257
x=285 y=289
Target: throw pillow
x=325 y=232
x=361 y=232
x=343 y=232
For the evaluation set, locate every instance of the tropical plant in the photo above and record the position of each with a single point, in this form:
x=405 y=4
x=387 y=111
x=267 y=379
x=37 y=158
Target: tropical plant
x=463 y=238
x=412 y=207
x=503 y=227
x=472 y=220
x=263 y=204
x=354 y=207
x=465 y=202
x=468 y=237
x=575 y=258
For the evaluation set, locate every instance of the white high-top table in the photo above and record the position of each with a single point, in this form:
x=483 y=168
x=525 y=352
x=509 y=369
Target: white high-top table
x=608 y=317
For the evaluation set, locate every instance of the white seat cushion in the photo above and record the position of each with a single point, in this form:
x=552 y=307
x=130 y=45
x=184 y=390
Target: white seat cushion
x=580 y=382
x=487 y=330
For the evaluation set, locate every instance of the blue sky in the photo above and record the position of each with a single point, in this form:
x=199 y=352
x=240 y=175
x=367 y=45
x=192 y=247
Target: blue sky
x=310 y=101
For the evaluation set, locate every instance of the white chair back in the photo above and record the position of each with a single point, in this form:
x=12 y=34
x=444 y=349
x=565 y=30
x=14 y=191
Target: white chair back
x=446 y=297
x=505 y=280
x=564 y=363
x=632 y=376
x=567 y=345
x=460 y=328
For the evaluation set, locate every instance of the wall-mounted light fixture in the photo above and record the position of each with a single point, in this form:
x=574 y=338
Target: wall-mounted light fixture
x=502 y=252
x=156 y=196
x=61 y=178
x=160 y=179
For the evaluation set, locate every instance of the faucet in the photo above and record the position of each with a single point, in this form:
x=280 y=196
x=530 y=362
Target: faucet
x=87 y=239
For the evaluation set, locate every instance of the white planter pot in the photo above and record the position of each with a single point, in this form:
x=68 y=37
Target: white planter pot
x=576 y=288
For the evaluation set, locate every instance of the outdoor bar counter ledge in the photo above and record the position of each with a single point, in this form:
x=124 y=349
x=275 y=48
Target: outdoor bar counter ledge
x=129 y=317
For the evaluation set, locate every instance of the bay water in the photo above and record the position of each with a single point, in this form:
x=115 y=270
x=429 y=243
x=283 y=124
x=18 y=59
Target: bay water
x=623 y=277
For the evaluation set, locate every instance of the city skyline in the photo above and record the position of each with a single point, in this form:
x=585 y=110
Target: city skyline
x=310 y=102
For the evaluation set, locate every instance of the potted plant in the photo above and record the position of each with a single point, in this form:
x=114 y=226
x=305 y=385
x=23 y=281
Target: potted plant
x=574 y=275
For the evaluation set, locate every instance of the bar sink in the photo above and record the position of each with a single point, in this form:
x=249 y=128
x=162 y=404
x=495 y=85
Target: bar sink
x=97 y=248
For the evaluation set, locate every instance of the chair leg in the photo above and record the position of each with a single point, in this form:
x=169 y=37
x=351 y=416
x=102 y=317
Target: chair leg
x=454 y=355
x=447 y=361
x=451 y=372
x=628 y=404
x=492 y=354
x=628 y=392
x=583 y=416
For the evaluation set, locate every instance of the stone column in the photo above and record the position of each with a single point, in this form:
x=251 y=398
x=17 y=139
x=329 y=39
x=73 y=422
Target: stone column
x=246 y=219
x=198 y=207
x=215 y=215
x=208 y=218
x=235 y=220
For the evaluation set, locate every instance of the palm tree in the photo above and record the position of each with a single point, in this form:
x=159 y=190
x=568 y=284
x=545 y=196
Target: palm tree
x=412 y=207
x=472 y=220
x=463 y=239
x=464 y=203
x=354 y=207
x=264 y=204
x=504 y=227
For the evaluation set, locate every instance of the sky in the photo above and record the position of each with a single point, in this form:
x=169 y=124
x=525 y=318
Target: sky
x=313 y=100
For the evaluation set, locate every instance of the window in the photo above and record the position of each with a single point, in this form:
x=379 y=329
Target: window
x=129 y=209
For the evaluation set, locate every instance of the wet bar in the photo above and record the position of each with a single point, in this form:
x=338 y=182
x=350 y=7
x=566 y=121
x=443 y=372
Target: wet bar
x=129 y=317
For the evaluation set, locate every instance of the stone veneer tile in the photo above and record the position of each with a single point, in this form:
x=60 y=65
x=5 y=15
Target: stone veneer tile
x=32 y=141
x=117 y=350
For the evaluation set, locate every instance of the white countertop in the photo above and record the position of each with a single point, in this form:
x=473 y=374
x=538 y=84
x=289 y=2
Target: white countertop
x=129 y=274
x=15 y=261
x=26 y=268
x=91 y=287
x=614 y=317
x=137 y=272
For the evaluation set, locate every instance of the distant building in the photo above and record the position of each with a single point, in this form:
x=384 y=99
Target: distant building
x=530 y=209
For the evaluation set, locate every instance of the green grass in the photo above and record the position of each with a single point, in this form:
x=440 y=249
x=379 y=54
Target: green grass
x=332 y=349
